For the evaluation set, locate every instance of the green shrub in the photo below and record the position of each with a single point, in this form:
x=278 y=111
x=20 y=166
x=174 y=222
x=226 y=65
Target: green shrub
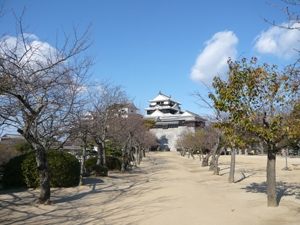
x=23 y=147
x=12 y=173
x=113 y=152
x=64 y=169
x=99 y=170
x=29 y=171
x=117 y=153
x=112 y=163
x=89 y=162
x=20 y=171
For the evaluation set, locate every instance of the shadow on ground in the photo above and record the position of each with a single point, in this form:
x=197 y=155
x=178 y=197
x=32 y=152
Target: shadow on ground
x=115 y=199
x=283 y=189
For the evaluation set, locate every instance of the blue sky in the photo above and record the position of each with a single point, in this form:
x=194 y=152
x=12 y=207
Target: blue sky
x=164 y=45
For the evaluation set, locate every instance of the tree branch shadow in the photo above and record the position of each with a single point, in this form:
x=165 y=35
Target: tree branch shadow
x=109 y=200
x=243 y=178
x=283 y=189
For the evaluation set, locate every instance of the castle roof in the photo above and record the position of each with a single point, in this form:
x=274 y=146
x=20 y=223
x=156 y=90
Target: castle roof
x=130 y=105
x=164 y=109
x=187 y=116
x=174 y=107
x=161 y=98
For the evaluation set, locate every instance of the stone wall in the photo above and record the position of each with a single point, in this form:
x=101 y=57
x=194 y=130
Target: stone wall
x=168 y=137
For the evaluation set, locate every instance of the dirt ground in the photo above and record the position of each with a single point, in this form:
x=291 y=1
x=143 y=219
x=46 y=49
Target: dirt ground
x=166 y=189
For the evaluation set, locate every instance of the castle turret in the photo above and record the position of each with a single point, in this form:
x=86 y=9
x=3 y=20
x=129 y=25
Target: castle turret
x=171 y=121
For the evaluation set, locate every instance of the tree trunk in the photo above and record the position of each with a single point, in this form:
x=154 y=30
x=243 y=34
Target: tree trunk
x=138 y=155
x=201 y=155
x=130 y=158
x=123 y=166
x=214 y=151
x=100 y=155
x=212 y=162
x=141 y=154
x=261 y=147
x=232 y=166
x=123 y=160
x=82 y=164
x=103 y=152
x=192 y=153
x=43 y=169
x=205 y=159
x=216 y=166
x=271 y=179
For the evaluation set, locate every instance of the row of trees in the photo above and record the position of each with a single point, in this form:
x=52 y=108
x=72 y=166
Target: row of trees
x=253 y=104
x=46 y=94
x=256 y=103
x=263 y=102
x=104 y=117
x=260 y=101
x=202 y=141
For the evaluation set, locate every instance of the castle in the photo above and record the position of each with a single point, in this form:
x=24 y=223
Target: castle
x=171 y=121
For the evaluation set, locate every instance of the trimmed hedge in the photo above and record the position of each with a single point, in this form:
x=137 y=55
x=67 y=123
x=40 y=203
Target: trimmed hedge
x=21 y=171
x=99 y=170
x=90 y=162
x=113 y=152
x=12 y=173
x=112 y=163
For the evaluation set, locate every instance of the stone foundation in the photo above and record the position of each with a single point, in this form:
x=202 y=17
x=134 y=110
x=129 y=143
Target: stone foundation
x=168 y=137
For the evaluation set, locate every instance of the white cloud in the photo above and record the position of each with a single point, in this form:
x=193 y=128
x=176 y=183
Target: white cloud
x=30 y=36
x=83 y=89
x=213 y=59
x=279 y=42
x=32 y=51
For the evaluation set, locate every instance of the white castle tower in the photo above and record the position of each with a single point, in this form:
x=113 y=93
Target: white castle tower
x=171 y=121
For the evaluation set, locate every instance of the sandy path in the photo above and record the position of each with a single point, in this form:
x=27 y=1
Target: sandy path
x=166 y=189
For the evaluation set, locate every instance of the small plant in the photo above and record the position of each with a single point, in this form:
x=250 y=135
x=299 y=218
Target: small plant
x=99 y=170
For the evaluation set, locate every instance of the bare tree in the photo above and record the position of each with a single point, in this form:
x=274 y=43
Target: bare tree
x=209 y=141
x=82 y=122
x=149 y=141
x=3 y=10
x=42 y=87
x=216 y=118
x=143 y=139
x=127 y=126
x=291 y=10
x=107 y=102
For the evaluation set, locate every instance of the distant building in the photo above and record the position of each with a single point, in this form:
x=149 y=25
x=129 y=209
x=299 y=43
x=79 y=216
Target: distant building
x=129 y=108
x=171 y=121
x=126 y=109
x=11 y=139
x=73 y=146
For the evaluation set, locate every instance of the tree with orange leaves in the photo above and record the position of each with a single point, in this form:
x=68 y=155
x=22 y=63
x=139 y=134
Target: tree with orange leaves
x=259 y=100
